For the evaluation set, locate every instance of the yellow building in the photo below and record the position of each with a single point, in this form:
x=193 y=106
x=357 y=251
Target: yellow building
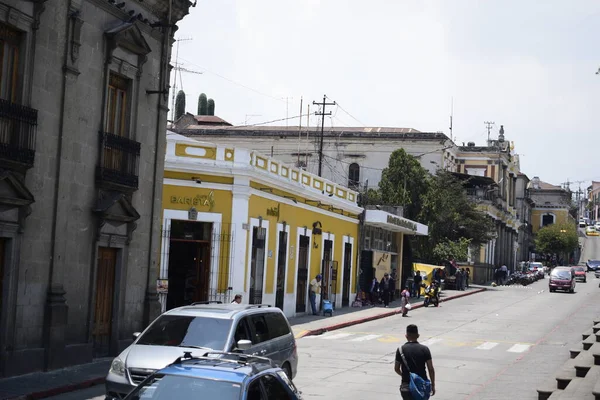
x=552 y=204
x=238 y=222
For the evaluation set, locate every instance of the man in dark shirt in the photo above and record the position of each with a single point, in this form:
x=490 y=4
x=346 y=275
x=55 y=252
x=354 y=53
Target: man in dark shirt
x=417 y=357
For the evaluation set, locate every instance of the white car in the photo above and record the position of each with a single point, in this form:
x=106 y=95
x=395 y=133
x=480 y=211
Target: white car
x=582 y=223
x=597 y=226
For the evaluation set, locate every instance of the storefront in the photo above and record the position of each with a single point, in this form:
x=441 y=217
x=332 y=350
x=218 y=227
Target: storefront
x=238 y=222
x=382 y=250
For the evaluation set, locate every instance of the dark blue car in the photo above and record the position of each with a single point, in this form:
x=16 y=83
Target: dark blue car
x=223 y=376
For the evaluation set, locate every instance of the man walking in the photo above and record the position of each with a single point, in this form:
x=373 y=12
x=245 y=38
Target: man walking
x=413 y=357
x=417 y=284
x=315 y=287
x=385 y=286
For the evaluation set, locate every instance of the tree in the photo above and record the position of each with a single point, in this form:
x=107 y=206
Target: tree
x=179 y=104
x=451 y=216
x=202 y=105
x=557 y=239
x=210 y=107
x=403 y=182
x=448 y=250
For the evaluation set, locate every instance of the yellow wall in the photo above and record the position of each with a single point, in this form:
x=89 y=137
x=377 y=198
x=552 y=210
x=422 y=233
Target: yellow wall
x=562 y=217
x=297 y=217
x=173 y=196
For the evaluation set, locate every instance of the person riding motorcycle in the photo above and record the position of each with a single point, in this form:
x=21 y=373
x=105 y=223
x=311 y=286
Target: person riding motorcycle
x=432 y=294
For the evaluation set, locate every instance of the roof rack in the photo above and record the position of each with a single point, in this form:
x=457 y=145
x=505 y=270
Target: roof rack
x=239 y=358
x=198 y=303
x=249 y=306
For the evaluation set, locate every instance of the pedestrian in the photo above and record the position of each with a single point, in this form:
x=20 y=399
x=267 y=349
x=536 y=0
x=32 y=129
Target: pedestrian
x=393 y=279
x=417 y=284
x=458 y=281
x=503 y=273
x=468 y=276
x=237 y=299
x=413 y=357
x=385 y=285
x=373 y=291
x=315 y=287
x=404 y=301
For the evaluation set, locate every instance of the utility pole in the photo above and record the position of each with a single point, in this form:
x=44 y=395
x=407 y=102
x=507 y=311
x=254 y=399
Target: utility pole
x=489 y=125
x=323 y=114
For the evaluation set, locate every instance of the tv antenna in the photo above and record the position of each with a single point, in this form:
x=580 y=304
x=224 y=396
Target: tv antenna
x=178 y=68
x=489 y=125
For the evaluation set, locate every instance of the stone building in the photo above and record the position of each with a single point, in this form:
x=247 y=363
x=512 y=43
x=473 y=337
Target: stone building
x=552 y=204
x=83 y=98
x=352 y=156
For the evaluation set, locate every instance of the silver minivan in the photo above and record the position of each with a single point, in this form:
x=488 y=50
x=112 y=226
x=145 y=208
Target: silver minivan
x=253 y=329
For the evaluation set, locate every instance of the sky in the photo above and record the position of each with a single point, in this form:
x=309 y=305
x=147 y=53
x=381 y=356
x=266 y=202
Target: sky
x=527 y=65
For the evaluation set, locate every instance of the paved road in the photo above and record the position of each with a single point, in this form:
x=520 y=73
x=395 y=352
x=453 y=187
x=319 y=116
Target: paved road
x=499 y=344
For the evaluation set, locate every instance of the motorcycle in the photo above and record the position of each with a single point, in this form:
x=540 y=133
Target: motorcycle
x=431 y=297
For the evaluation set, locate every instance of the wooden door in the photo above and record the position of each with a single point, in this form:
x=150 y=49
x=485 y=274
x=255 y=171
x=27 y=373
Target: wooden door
x=302 y=284
x=204 y=275
x=347 y=272
x=281 y=267
x=105 y=293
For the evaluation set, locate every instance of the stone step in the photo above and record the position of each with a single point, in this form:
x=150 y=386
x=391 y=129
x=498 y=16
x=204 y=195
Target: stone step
x=584 y=387
x=556 y=395
x=587 y=343
x=596 y=328
x=587 y=334
x=596 y=321
x=597 y=336
x=564 y=377
x=546 y=389
x=574 y=352
x=583 y=362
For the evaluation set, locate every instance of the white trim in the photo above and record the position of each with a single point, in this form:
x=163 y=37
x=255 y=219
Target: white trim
x=182 y=215
x=300 y=232
x=283 y=200
x=203 y=185
x=542 y=219
x=287 y=258
x=350 y=240
x=328 y=236
x=254 y=222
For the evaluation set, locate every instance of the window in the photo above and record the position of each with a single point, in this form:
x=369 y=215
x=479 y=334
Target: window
x=274 y=388
x=241 y=332
x=186 y=387
x=547 y=219
x=9 y=59
x=353 y=175
x=261 y=333
x=254 y=392
x=277 y=325
x=117 y=105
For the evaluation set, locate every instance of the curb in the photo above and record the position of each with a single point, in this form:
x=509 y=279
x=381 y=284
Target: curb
x=60 y=390
x=341 y=325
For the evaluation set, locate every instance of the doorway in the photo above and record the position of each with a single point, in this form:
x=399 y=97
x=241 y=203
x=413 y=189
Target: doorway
x=281 y=267
x=105 y=294
x=301 y=285
x=189 y=263
x=2 y=260
x=326 y=270
x=347 y=272
x=257 y=265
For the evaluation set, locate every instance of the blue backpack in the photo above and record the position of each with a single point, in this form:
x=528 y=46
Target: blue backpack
x=420 y=389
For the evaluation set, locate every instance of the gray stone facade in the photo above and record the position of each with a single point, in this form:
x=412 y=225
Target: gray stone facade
x=80 y=189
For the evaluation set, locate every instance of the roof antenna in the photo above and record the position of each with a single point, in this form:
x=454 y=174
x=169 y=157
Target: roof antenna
x=451 y=115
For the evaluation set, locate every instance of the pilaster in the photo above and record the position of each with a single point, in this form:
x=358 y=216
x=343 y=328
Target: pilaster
x=239 y=218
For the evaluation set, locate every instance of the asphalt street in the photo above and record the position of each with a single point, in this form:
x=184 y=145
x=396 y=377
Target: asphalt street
x=498 y=344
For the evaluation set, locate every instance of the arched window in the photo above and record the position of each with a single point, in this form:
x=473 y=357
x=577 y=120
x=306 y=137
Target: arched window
x=548 y=219
x=353 y=176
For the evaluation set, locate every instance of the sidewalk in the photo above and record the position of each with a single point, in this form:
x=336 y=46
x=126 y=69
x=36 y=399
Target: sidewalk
x=41 y=385
x=309 y=325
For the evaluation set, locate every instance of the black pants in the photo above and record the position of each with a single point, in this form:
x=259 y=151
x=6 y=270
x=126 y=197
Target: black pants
x=406 y=395
x=386 y=297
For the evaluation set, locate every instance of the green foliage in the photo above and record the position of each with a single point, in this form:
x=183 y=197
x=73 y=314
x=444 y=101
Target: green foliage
x=202 y=105
x=403 y=182
x=179 y=104
x=211 y=107
x=371 y=197
x=448 y=249
x=556 y=238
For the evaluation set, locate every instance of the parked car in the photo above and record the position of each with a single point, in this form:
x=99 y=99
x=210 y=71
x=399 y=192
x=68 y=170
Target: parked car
x=537 y=267
x=592 y=265
x=580 y=273
x=562 y=278
x=591 y=231
x=582 y=223
x=198 y=329
x=223 y=376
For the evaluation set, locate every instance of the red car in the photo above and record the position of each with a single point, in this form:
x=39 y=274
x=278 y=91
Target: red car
x=562 y=278
x=580 y=274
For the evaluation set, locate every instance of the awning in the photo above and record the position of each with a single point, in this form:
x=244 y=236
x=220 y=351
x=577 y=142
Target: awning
x=394 y=223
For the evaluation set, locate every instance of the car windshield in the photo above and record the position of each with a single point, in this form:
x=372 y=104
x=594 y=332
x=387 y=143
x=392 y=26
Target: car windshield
x=594 y=262
x=561 y=274
x=183 y=330
x=580 y=269
x=184 y=388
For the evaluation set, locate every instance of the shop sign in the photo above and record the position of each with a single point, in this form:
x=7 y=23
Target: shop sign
x=404 y=223
x=273 y=211
x=206 y=200
x=162 y=286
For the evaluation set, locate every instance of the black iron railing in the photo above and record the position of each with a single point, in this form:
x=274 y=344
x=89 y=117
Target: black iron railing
x=119 y=164
x=18 y=125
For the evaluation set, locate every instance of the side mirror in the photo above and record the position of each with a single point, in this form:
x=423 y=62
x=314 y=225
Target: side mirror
x=135 y=335
x=244 y=344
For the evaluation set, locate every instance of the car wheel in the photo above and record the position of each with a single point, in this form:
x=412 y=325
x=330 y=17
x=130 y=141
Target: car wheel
x=288 y=371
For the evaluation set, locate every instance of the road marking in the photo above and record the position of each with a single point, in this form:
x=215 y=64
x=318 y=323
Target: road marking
x=365 y=338
x=519 y=348
x=336 y=336
x=431 y=341
x=487 y=346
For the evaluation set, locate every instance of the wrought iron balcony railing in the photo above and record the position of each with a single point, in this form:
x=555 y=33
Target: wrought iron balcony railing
x=119 y=162
x=18 y=125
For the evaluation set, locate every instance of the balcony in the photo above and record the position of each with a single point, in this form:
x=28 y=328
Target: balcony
x=119 y=162
x=18 y=125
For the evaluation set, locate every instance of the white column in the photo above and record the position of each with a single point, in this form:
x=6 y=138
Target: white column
x=239 y=217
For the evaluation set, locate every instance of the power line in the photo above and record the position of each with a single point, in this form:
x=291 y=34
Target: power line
x=322 y=114
x=350 y=115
